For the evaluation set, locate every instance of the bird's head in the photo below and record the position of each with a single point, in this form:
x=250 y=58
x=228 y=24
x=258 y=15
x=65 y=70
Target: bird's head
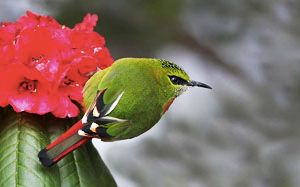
x=177 y=79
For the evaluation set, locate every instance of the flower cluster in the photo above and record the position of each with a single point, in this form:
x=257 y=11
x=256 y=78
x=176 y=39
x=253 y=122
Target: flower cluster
x=44 y=65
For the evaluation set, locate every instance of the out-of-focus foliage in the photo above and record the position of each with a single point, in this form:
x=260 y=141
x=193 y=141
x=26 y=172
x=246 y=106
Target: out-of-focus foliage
x=245 y=132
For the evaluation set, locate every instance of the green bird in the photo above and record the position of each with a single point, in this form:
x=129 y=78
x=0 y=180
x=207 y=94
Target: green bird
x=122 y=102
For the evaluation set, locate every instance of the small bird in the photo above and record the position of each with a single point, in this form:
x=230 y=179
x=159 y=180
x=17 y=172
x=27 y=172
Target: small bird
x=122 y=102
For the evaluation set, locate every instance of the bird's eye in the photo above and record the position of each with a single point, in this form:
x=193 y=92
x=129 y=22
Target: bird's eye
x=177 y=80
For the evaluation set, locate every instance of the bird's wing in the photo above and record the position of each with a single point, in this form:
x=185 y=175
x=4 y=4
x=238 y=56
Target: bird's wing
x=90 y=89
x=97 y=119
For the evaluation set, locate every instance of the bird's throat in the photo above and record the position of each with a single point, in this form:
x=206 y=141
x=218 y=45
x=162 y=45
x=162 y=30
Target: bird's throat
x=168 y=104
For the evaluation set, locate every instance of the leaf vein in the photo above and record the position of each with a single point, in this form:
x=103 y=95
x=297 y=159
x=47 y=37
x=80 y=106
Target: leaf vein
x=7 y=147
x=6 y=179
x=6 y=155
x=5 y=166
x=31 y=171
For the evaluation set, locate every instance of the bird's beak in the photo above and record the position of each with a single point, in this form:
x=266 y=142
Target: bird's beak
x=198 y=84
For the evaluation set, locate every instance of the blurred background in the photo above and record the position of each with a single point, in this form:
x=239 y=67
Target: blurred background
x=243 y=133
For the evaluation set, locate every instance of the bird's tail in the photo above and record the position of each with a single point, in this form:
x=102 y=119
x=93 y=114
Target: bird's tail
x=63 y=145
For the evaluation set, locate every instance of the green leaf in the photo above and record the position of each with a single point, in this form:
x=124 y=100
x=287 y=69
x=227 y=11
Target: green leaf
x=20 y=141
x=23 y=135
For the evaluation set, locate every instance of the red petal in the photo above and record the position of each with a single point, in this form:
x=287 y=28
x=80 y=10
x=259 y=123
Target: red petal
x=7 y=54
x=104 y=58
x=31 y=20
x=4 y=100
x=38 y=55
x=21 y=103
x=40 y=42
x=86 y=42
x=24 y=100
x=65 y=108
x=88 y=23
x=38 y=104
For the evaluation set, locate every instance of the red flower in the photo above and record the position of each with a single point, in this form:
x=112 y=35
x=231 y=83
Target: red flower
x=44 y=65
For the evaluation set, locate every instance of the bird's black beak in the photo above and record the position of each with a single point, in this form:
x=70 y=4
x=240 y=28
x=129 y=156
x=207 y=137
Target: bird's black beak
x=198 y=84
